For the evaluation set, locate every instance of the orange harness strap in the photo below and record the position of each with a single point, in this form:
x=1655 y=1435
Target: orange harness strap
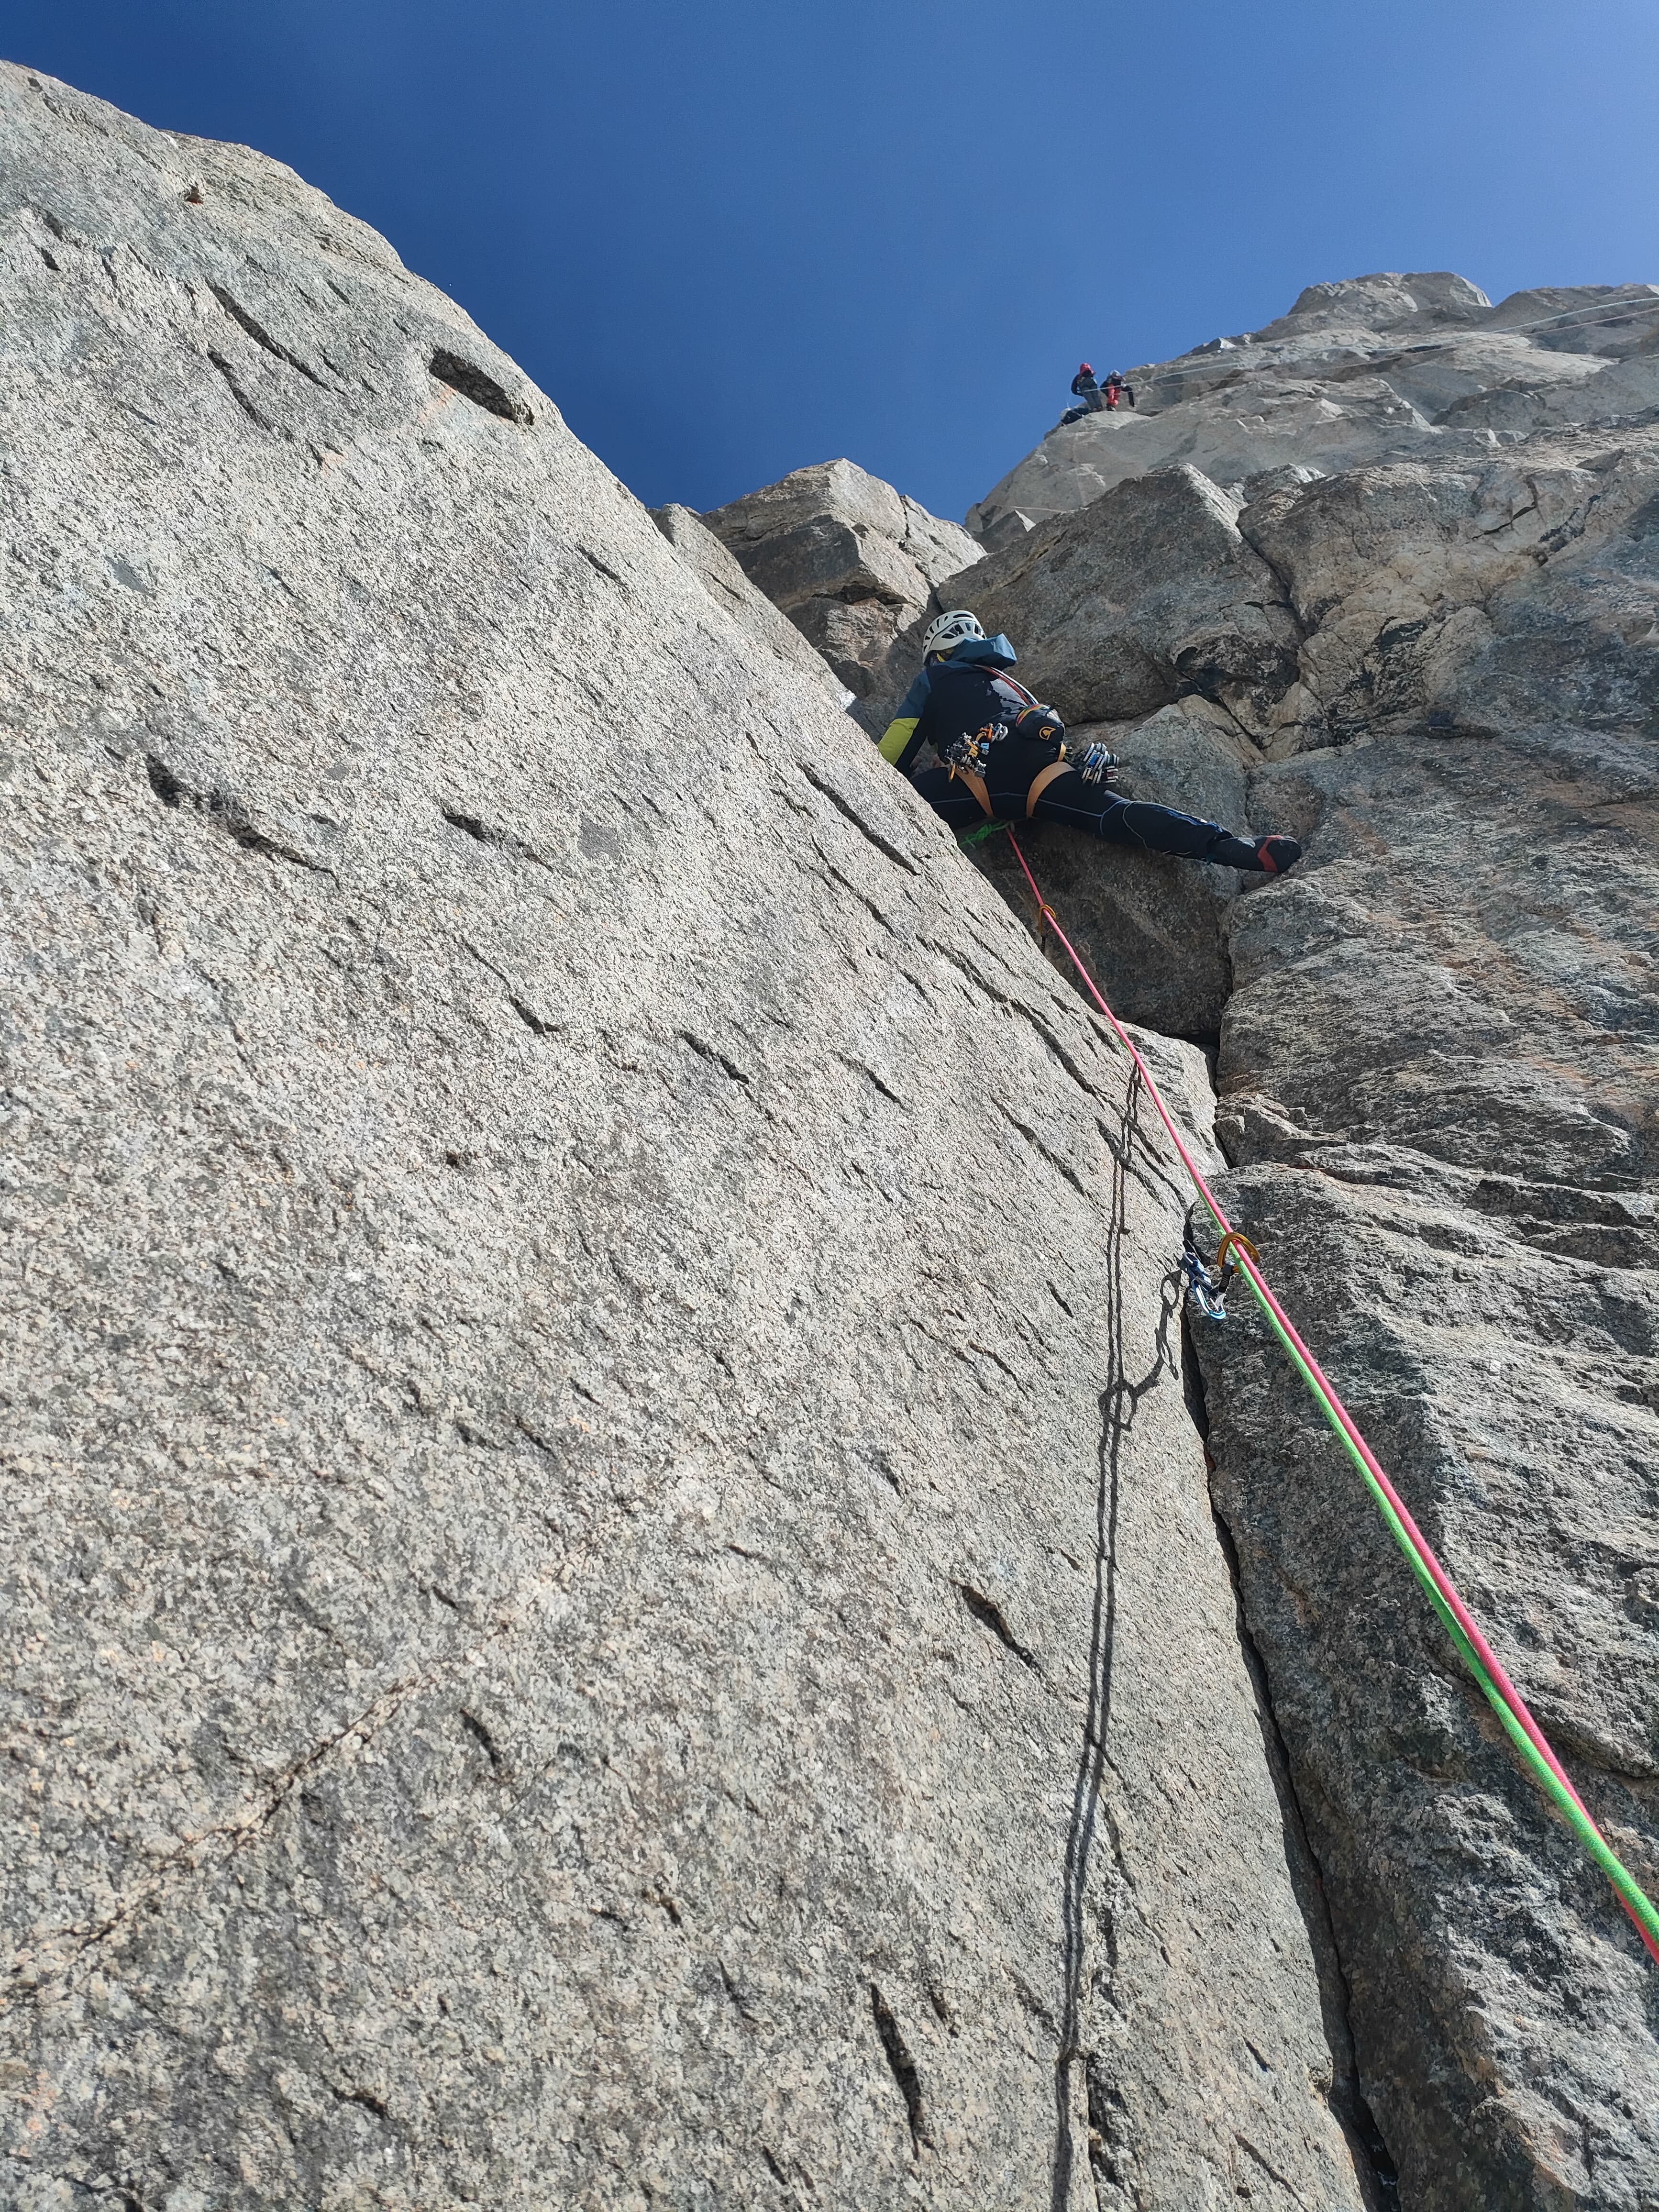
x=976 y=785
x=1041 y=781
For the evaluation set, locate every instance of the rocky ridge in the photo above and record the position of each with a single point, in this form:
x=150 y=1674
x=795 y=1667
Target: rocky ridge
x=1381 y=368
x=614 y=1595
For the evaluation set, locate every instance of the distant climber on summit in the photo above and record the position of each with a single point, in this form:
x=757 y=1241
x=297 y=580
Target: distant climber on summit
x=1092 y=399
x=1002 y=755
x=1097 y=398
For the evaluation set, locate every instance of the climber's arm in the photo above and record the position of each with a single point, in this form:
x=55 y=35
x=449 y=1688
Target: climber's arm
x=899 y=741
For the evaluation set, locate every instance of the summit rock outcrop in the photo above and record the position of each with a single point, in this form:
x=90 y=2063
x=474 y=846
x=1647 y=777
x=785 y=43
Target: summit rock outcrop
x=613 y=1597
x=1373 y=369
x=849 y=560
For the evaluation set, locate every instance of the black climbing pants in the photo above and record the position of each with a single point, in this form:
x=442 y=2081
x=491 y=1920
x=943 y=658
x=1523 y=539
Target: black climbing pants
x=1092 y=806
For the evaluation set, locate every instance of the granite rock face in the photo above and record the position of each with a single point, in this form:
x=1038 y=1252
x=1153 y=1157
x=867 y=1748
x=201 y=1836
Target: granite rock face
x=612 y=1595
x=1149 y=595
x=1372 y=369
x=1508 y=592
x=849 y=560
x=1519 y=593
x=1439 y=1076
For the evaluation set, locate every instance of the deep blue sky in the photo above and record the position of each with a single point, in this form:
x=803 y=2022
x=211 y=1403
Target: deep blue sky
x=732 y=238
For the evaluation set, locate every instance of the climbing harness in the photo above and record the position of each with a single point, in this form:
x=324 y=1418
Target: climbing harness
x=968 y=759
x=1477 y=1654
x=969 y=756
x=1042 y=779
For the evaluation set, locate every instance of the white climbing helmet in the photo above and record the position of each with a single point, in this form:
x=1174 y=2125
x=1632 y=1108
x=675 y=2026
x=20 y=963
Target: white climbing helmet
x=946 y=632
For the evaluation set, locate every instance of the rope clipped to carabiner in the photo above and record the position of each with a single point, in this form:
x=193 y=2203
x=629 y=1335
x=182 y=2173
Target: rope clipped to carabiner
x=1208 y=1285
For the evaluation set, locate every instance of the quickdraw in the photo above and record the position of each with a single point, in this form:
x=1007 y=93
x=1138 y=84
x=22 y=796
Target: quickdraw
x=971 y=755
x=1206 y=1286
x=1095 y=764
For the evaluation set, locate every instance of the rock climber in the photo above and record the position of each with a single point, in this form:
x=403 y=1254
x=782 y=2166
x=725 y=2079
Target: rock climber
x=1084 y=390
x=1117 y=388
x=1002 y=755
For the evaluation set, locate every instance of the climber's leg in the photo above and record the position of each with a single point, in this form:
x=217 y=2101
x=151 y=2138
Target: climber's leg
x=1136 y=821
x=1107 y=813
x=950 y=799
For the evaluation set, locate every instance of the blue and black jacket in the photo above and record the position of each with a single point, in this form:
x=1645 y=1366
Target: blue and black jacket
x=959 y=693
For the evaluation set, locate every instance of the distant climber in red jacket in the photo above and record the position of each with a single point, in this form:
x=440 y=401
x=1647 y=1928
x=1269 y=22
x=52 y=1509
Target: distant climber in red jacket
x=1003 y=755
x=1097 y=398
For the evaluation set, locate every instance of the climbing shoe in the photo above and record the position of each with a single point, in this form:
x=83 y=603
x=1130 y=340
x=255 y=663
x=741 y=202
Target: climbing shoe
x=1274 y=856
x=1271 y=855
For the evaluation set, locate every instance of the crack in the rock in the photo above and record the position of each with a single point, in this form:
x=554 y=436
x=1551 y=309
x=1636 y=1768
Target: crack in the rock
x=1378 y=2176
x=366 y=2098
x=1062 y=1167
x=482 y=1737
x=863 y=897
x=193 y=1853
x=740 y=2004
x=870 y=1076
x=486 y=833
x=604 y=567
x=989 y=1615
x=715 y=1058
x=1015 y=1007
x=238 y=395
x=903 y=2067
x=262 y=336
x=226 y=813
x=220 y=1843
x=1272 y=2171
x=531 y=1020
x=846 y=807
x=476 y=384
